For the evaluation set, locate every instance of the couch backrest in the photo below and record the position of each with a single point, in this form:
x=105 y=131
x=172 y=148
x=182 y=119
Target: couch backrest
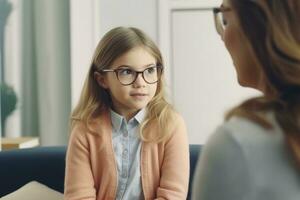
x=47 y=166
x=195 y=151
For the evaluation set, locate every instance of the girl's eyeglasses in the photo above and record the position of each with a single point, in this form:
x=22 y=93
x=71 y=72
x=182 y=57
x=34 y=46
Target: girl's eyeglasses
x=128 y=76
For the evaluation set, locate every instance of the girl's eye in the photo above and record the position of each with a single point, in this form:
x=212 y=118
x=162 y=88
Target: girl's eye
x=124 y=72
x=151 y=70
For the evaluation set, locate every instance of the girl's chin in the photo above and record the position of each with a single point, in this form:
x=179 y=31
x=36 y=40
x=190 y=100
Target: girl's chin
x=139 y=106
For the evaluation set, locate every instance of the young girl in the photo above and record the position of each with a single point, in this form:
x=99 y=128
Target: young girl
x=126 y=140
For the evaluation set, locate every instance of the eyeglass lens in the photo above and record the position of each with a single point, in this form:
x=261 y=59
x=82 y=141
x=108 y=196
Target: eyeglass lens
x=220 y=22
x=127 y=76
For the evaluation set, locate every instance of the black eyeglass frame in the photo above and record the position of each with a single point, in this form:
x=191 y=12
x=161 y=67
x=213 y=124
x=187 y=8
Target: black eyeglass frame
x=216 y=11
x=218 y=24
x=158 y=67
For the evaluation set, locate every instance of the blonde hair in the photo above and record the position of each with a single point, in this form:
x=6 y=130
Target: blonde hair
x=95 y=100
x=276 y=43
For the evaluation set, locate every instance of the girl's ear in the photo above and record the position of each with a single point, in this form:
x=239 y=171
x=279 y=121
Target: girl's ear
x=101 y=80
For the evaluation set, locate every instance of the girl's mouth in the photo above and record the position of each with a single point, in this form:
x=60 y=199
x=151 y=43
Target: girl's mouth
x=138 y=94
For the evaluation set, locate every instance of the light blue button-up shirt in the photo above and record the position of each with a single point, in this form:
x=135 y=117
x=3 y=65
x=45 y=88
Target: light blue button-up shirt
x=127 y=149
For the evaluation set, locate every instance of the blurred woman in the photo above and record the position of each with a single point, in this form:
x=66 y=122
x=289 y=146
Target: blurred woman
x=255 y=154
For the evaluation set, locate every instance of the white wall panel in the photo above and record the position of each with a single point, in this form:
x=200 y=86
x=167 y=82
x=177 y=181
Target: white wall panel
x=84 y=17
x=139 y=13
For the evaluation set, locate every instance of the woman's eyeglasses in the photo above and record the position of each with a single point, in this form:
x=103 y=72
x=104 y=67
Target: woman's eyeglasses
x=128 y=76
x=220 y=21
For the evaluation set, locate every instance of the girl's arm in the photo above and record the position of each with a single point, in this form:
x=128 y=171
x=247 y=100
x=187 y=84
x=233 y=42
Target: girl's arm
x=175 y=168
x=79 y=182
x=221 y=172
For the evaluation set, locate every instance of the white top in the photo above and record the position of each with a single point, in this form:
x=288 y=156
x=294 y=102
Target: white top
x=243 y=161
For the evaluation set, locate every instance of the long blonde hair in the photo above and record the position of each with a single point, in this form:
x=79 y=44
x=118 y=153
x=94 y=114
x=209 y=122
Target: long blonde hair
x=272 y=28
x=95 y=100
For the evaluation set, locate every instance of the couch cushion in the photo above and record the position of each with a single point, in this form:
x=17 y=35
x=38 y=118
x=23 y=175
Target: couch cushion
x=34 y=191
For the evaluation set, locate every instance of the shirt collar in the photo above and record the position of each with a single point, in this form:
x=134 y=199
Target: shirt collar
x=140 y=116
x=117 y=119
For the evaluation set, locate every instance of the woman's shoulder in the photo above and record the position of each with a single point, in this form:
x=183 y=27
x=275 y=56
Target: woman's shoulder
x=247 y=136
x=242 y=127
x=260 y=149
x=242 y=139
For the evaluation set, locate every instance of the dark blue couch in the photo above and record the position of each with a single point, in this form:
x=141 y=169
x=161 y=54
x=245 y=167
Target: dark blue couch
x=47 y=166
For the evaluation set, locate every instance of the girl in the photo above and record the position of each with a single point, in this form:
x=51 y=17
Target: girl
x=126 y=140
x=255 y=155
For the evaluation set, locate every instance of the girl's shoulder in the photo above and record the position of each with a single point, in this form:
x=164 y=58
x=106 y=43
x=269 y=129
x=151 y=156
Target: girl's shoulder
x=177 y=120
x=95 y=125
x=78 y=129
x=170 y=127
x=78 y=125
x=177 y=116
x=178 y=126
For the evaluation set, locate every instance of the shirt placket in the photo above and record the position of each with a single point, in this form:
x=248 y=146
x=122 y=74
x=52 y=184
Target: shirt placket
x=125 y=161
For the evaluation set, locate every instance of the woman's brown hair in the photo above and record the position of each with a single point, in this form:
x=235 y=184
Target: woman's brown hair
x=273 y=31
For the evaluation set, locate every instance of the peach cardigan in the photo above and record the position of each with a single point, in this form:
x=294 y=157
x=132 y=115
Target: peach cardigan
x=91 y=171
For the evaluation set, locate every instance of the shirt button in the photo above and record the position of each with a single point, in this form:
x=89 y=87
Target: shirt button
x=126 y=134
x=124 y=175
x=125 y=152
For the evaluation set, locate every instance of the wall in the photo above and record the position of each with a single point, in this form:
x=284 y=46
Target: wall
x=141 y=14
x=84 y=29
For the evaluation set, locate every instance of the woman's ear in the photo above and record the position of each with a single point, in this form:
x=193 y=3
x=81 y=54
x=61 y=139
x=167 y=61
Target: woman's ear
x=101 y=79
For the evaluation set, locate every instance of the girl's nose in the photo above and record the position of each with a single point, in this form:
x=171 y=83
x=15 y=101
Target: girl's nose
x=139 y=81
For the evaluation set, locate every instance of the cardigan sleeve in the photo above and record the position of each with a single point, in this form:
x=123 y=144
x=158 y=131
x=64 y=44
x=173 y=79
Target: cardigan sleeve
x=175 y=167
x=79 y=182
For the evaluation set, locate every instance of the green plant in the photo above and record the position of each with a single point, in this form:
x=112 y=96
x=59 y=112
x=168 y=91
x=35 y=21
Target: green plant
x=8 y=102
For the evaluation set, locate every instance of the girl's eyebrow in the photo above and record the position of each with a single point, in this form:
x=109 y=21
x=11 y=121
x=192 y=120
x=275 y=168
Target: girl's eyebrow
x=131 y=67
x=150 y=64
x=123 y=66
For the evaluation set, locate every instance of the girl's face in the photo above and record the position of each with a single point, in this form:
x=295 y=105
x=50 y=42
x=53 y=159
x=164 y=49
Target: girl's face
x=248 y=71
x=129 y=99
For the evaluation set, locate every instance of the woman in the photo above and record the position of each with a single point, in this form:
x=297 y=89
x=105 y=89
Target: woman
x=255 y=154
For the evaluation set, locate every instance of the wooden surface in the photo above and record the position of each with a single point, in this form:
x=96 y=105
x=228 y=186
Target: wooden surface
x=19 y=142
